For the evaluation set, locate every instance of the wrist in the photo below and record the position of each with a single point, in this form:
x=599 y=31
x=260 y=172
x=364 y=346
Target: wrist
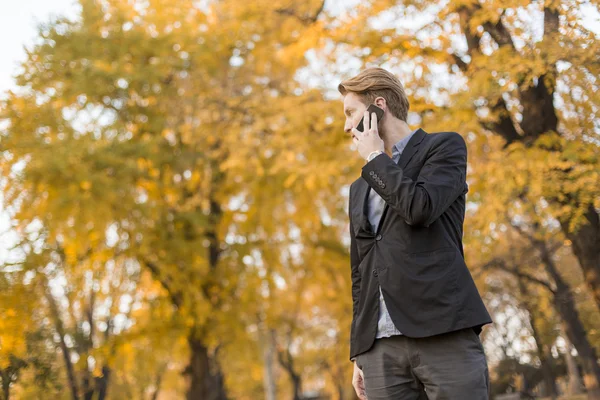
x=374 y=154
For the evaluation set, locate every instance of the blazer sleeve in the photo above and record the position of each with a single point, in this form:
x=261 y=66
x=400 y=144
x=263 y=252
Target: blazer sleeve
x=441 y=180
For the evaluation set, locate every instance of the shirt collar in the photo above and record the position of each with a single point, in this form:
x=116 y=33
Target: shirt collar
x=398 y=148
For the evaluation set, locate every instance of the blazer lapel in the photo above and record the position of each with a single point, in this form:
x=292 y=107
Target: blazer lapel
x=411 y=148
x=407 y=154
x=362 y=188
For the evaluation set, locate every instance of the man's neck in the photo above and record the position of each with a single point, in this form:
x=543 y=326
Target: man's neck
x=392 y=132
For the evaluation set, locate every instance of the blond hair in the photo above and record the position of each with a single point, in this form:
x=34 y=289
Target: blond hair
x=377 y=82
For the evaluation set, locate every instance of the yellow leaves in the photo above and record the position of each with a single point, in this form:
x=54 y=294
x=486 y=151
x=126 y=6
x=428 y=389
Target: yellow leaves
x=71 y=252
x=154 y=172
x=167 y=134
x=270 y=160
x=142 y=163
x=11 y=345
x=16 y=308
x=195 y=178
x=103 y=66
x=290 y=180
x=211 y=140
x=256 y=372
x=94 y=237
x=311 y=182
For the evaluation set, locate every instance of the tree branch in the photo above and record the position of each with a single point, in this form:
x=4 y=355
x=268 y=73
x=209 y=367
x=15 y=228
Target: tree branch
x=503 y=125
x=473 y=38
x=500 y=264
x=551 y=21
x=539 y=244
x=175 y=296
x=306 y=19
x=499 y=33
x=463 y=66
x=59 y=327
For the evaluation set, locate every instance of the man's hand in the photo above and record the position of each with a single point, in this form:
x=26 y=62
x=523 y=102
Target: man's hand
x=359 y=383
x=369 y=140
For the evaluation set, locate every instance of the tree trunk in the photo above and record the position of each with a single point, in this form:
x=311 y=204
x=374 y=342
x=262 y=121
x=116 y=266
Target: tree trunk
x=337 y=377
x=586 y=247
x=102 y=383
x=548 y=371
x=87 y=387
x=297 y=384
x=206 y=380
x=575 y=384
x=63 y=346
x=269 y=359
x=565 y=305
x=159 y=377
x=204 y=374
x=576 y=333
x=542 y=349
x=287 y=362
x=5 y=384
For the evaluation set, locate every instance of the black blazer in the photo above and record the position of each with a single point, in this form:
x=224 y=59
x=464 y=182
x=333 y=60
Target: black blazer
x=416 y=255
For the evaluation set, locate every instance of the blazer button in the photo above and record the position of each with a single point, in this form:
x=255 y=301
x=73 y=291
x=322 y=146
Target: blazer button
x=375 y=272
x=372 y=173
x=378 y=237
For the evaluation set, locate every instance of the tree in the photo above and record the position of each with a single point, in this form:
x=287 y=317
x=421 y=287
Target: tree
x=532 y=303
x=146 y=122
x=533 y=92
x=564 y=304
x=23 y=332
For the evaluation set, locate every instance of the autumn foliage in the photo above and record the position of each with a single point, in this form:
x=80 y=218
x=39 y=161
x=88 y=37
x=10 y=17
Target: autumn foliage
x=176 y=176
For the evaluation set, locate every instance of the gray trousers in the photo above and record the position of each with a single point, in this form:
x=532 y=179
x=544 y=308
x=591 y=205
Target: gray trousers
x=451 y=366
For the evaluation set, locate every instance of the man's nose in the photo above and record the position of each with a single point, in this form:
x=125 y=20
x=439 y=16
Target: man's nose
x=347 y=127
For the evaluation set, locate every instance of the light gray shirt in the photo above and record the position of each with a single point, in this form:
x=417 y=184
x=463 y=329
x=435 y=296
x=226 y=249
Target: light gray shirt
x=385 y=326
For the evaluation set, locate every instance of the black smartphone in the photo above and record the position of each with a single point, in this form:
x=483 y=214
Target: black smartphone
x=372 y=109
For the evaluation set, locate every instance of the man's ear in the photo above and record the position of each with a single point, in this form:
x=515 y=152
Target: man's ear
x=380 y=102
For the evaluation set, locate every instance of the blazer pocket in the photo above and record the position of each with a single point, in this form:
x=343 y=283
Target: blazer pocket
x=428 y=285
x=430 y=265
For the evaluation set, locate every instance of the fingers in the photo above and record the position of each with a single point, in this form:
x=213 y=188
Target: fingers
x=370 y=122
x=369 y=125
x=359 y=387
x=358 y=382
x=356 y=135
x=362 y=395
x=360 y=391
x=374 y=122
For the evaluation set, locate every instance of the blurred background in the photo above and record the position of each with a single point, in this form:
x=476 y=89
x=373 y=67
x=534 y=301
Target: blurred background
x=174 y=188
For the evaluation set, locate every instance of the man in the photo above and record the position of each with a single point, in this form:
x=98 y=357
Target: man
x=417 y=314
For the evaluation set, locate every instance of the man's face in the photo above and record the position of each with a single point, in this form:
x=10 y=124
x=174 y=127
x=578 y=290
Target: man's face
x=354 y=110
